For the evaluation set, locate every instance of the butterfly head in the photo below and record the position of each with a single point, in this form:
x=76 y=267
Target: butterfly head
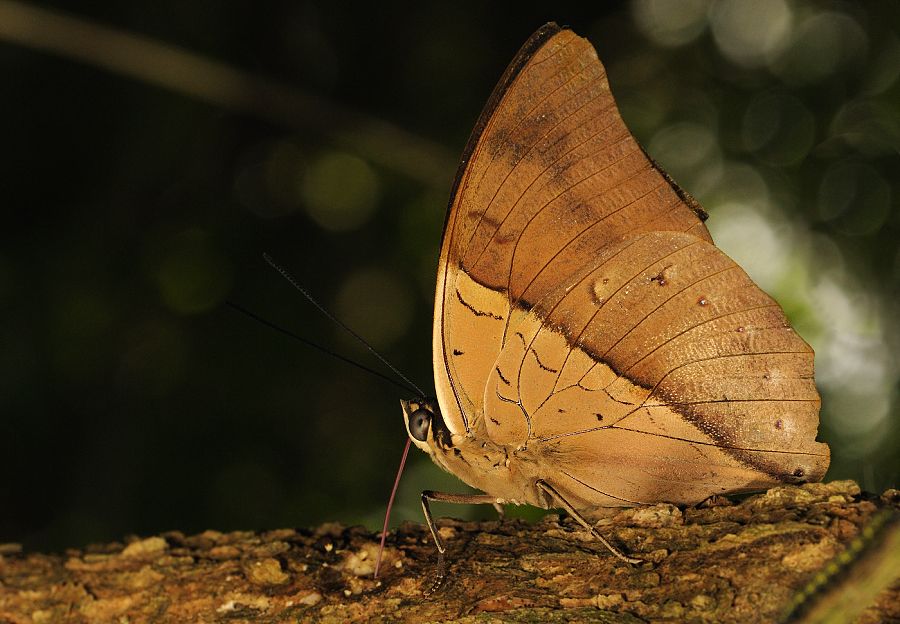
x=425 y=425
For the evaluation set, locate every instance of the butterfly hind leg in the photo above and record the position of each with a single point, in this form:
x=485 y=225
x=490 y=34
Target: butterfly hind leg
x=556 y=496
x=445 y=497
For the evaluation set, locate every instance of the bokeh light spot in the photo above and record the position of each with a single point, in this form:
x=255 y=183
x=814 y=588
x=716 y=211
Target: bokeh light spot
x=885 y=68
x=751 y=32
x=871 y=127
x=376 y=305
x=754 y=242
x=193 y=276
x=269 y=182
x=687 y=150
x=778 y=128
x=736 y=183
x=854 y=357
x=820 y=45
x=284 y=170
x=340 y=191
x=854 y=198
x=670 y=23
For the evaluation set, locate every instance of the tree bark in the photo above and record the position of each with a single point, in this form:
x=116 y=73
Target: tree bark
x=722 y=562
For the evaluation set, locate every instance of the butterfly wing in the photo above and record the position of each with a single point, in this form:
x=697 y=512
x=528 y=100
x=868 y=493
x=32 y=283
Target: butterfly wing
x=585 y=322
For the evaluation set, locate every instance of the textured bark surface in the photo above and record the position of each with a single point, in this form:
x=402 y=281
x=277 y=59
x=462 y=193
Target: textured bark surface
x=721 y=563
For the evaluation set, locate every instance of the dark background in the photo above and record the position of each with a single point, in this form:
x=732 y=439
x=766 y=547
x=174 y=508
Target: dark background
x=133 y=401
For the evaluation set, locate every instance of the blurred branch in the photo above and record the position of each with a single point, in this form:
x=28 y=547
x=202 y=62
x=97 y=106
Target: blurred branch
x=208 y=80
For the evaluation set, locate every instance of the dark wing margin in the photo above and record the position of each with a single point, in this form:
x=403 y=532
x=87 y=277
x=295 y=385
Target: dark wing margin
x=686 y=197
x=527 y=51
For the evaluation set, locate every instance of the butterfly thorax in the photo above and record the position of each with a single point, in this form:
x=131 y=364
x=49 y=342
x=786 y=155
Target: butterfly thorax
x=502 y=472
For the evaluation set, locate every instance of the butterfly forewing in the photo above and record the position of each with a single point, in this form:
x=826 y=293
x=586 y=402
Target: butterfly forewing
x=586 y=323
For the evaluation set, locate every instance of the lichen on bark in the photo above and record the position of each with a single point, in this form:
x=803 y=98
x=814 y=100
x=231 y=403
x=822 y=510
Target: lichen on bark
x=723 y=562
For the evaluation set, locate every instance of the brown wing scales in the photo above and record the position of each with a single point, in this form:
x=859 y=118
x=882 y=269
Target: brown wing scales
x=592 y=327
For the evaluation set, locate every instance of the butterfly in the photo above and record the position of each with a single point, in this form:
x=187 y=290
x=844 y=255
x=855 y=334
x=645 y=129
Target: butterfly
x=592 y=346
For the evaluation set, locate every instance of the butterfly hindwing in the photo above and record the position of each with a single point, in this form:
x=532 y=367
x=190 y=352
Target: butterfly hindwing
x=586 y=323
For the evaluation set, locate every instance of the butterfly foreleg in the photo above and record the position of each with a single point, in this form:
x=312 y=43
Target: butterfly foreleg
x=446 y=497
x=556 y=496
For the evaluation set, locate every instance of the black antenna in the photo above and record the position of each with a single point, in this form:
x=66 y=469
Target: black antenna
x=249 y=314
x=312 y=299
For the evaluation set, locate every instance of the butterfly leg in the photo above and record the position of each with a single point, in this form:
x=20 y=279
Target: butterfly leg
x=549 y=489
x=445 y=497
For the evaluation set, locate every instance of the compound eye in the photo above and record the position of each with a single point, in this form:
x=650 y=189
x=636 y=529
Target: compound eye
x=419 y=421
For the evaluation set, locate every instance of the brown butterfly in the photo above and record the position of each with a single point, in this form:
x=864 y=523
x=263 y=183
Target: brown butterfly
x=592 y=347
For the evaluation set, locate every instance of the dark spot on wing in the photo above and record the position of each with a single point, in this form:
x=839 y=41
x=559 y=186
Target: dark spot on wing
x=474 y=311
x=541 y=364
x=660 y=278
